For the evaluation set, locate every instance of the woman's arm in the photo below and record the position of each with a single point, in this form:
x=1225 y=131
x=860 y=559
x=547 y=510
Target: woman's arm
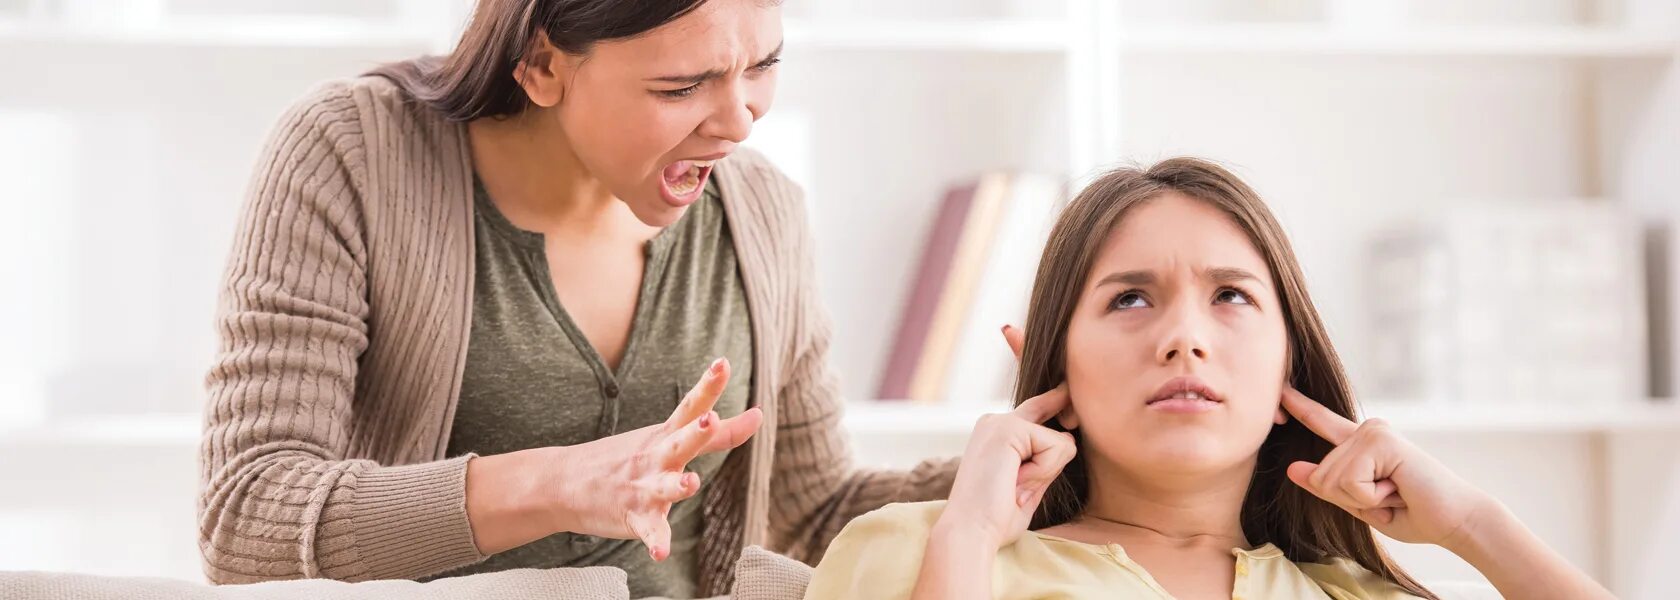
x=1010 y=460
x=278 y=498
x=1379 y=477
x=1516 y=561
x=957 y=563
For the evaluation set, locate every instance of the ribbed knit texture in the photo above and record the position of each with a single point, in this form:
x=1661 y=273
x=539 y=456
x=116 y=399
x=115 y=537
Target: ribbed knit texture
x=344 y=319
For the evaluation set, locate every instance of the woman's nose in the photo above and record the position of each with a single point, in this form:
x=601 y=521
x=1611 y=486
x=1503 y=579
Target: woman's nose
x=732 y=121
x=1183 y=340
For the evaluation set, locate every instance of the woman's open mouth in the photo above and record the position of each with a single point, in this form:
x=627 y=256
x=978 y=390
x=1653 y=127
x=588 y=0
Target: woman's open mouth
x=1186 y=394
x=681 y=182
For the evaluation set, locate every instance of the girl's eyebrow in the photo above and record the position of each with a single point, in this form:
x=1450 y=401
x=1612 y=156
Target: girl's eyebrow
x=1220 y=275
x=1132 y=278
x=1231 y=275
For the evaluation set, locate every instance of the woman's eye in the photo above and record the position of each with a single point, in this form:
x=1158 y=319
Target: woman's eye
x=1128 y=300
x=1232 y=296
x=682 y=93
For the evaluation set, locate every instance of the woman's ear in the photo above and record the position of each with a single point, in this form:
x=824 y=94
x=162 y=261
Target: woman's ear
x=1068 y=418
x=543 y=72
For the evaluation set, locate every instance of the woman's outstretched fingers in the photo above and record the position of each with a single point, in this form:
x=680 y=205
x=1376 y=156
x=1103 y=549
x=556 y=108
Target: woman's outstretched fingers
x=654 y=532
x=675 y=486
x=690 y=441
x=1317 y=417
x=703 y=396
x=734 y=431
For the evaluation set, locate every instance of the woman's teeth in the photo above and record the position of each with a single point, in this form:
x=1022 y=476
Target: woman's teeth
x=1187 y=396
x=690 y=180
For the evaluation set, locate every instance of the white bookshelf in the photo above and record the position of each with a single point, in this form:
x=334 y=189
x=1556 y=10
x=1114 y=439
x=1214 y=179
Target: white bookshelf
x=882 y=104
x=1460 y=42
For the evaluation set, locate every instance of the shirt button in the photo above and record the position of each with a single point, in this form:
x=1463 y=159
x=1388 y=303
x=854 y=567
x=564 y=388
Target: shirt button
x=612 y=390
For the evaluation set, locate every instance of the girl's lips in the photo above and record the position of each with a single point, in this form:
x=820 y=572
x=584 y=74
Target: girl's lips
x=1184 y=405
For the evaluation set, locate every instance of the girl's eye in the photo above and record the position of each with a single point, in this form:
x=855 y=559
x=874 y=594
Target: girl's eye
x=766 y=65
x=682 y=93
x=1128 y=300
x=1232 y=296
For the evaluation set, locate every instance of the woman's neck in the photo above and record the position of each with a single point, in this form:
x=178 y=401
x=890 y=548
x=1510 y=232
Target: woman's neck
x=1182 y=510
x=535 y=178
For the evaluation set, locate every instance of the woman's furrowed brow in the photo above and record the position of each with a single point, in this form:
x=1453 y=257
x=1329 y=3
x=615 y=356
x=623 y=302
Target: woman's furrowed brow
x=713 y=73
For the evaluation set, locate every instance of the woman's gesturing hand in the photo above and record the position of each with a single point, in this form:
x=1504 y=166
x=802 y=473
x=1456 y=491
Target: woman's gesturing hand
x=1383 y=479
x=623 y=486
x=1011 y=459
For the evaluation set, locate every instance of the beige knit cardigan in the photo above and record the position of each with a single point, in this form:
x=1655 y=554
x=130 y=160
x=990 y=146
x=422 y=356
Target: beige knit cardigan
x=343 y=321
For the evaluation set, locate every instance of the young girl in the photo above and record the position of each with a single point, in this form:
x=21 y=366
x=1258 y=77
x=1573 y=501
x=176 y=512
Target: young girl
x=1199 y=439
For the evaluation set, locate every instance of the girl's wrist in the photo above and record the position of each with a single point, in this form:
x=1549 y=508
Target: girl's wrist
x=1488 y=527
x=959 y=530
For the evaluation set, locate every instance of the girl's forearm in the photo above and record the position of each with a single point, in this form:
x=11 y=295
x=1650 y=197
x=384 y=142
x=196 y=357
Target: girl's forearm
x=1517 y=562
x=957 y=563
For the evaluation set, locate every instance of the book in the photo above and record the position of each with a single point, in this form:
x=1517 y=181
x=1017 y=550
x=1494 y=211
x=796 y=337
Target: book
x=916 y=318
x=960 y=286
x=982 y=369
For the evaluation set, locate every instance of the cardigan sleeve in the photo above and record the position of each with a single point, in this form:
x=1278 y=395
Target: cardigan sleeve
x=278 y=498
x=815 y=487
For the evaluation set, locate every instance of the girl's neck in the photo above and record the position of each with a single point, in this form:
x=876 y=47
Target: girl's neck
x=1188 y=511
x=535 y=178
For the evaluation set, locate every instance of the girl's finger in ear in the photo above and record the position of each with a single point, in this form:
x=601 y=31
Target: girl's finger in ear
x=1013 y=336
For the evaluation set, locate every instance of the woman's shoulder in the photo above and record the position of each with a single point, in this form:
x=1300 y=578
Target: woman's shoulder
x=877 y=555
x=361 y=111
x=1345 y=578
x=902 y=516
x=749 y=180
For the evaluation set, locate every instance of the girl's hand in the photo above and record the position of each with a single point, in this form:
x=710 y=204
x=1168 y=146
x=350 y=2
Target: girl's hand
x=623 y=486
x=1010 y=460
x=1384 y=480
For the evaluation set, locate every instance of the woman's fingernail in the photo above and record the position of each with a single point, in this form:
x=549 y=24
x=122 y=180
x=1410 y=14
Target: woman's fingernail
x=717 y=367
x=705 y=421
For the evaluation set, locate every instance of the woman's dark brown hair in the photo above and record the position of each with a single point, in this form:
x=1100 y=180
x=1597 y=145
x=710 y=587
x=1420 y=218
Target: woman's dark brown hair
x=477 y=79
x=1275 y=510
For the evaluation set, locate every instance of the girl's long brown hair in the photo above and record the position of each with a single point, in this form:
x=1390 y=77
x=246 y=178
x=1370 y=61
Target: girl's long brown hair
x=1275 y=510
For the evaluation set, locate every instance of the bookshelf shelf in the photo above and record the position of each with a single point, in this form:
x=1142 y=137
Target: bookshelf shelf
x=234 y=32
x=1530 y=42
x=1010 y=36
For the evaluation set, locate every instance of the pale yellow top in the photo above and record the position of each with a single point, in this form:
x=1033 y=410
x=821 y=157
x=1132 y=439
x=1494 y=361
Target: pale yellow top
x=878 y=555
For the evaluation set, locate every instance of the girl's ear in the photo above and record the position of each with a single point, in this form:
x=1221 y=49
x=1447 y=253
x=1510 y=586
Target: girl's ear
x=1068 y=418
x=1282 y=416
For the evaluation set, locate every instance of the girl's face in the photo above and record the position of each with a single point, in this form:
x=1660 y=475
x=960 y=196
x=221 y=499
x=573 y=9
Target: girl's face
x=644 y=115
x=1177 y=350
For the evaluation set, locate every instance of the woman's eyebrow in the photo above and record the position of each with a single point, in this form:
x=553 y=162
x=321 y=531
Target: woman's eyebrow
x=715 y=73
x=1132 y=278
x=1231 y=275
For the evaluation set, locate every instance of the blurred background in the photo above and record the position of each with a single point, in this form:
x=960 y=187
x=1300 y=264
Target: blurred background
x=1484 y=195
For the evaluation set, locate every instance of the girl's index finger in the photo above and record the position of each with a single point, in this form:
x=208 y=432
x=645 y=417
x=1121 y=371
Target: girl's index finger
x=1317 y=417
x=1040 y=408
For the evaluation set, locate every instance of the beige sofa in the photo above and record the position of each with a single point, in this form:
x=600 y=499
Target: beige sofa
x=760 y=575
